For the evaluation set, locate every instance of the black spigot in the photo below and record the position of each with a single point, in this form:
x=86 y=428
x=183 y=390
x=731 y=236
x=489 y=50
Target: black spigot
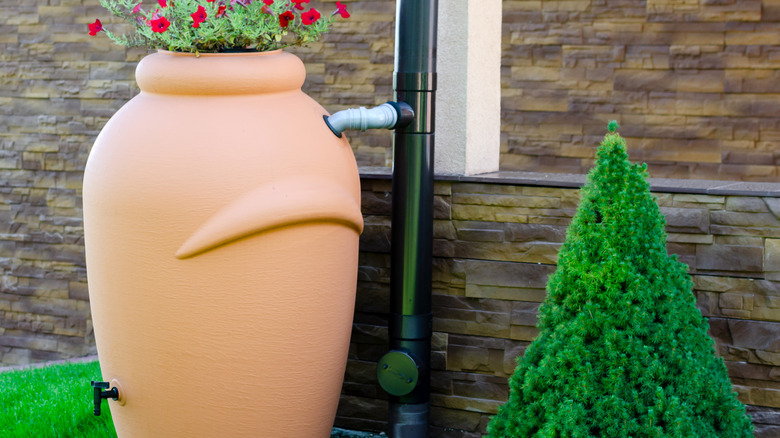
x=99 y=394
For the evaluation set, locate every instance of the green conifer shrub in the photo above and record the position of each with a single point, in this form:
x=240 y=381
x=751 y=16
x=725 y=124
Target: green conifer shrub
x=622 y=350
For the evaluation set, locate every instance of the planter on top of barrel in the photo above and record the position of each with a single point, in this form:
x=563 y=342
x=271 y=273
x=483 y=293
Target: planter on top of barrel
x=221 y=227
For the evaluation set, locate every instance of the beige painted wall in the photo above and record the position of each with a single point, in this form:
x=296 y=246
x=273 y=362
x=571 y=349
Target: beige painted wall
x=468 y=98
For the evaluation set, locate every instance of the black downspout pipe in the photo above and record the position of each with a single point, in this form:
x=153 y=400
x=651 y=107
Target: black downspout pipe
x=404 y=372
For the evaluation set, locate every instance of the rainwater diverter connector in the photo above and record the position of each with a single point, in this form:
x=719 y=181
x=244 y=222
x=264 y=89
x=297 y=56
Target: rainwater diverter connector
x=390 y=115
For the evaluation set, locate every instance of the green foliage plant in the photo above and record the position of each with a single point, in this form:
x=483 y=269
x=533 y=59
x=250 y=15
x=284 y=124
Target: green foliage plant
x=206 y=26
x=622 y=349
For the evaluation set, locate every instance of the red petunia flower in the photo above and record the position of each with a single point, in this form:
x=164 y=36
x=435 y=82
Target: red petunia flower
x=342 y=9
x=199 y=16
x=286 y=18
x=160 y=25
x=95 y=27
x=163 y=3
x=310 y=17
x=211 y=1
x=221 y=10
x=137 y=8
x=268 y=2
x=155 y=16
x=298 y=3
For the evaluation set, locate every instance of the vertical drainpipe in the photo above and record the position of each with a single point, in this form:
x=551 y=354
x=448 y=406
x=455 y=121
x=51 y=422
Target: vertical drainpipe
x=404 y=372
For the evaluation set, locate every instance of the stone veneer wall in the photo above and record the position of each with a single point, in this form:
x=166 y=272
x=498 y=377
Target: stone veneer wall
x=496 y=239
x=58 y=88
x=694 y=83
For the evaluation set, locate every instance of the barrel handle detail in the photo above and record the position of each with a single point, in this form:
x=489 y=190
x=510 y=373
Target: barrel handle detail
x=274 y=205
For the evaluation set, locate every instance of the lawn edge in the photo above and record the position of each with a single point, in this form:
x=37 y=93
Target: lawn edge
x=84 y=359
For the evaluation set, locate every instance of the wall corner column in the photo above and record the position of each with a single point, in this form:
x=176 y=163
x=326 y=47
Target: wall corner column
x=468 y=96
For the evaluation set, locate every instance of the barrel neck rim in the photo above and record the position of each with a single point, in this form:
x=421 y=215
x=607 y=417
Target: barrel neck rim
x=234 y=73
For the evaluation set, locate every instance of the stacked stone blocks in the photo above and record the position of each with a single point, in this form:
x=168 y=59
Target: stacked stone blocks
x=58 y=87
x=693 y=83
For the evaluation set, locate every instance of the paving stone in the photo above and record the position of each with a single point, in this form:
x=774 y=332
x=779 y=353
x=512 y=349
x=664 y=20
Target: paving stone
x=763 y=220
x=738 y=240
x=736 y=354
x=361 y=407
x=442 y=208
x=719 y=284
x=466 y=358
x=523 y=333
x=444 y=230
x=376 y=203
x=535 y=232
x=768 y=357
x=746 y=204
x=741 y=370
x=774 y=205
x=484 y=387
x=466 y=403
x=698 y=199
x=705 y=239
x=452 y=419
x=525 y=313
x=731 y=301
x=477 y=341
x=686 y=220
x=472 y=304
x=507 y=274
x=480 y=235
x=764 y=415
x=707 y=303
x=358 y=371
x=513 y=350
x=772 y=255
x=766 y=431
x=376 y=235
x=729 y=258
x=755 y=335
x=764 y=397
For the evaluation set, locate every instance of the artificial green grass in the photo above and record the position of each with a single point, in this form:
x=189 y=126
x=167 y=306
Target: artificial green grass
x=52 y=402
x=56 y=402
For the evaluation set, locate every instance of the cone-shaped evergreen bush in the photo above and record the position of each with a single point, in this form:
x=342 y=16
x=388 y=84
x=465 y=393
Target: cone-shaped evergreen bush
x=622 y=350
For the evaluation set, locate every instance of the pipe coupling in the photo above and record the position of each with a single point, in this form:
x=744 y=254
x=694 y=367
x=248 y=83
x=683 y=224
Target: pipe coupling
x=390 y=115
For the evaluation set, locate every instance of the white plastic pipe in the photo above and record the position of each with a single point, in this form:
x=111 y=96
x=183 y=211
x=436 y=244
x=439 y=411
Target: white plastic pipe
x=384 y=116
